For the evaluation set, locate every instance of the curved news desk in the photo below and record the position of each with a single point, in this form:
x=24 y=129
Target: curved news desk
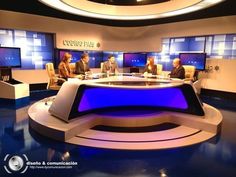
x=81 y=105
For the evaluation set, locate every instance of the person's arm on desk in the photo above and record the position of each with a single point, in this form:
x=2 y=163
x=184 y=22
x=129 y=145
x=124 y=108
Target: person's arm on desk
x=178 y=73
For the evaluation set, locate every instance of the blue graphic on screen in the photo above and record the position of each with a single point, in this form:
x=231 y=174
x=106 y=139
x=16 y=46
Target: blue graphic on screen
x=164 y=59
x=10 y=57
x=196 y=59
x=118 y=56
x=95 y=58
x=93 y=98
x=135 y=59
x=196 y=44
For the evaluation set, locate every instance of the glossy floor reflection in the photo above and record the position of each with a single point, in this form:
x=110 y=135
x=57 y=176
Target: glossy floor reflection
x=215 y=158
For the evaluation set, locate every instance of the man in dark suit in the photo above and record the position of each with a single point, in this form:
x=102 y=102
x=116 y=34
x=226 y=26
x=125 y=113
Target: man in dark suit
x=178 y=70
x=82 y=65
x=110 y=65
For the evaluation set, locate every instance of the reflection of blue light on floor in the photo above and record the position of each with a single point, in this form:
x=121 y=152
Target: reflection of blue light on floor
x=216 y=158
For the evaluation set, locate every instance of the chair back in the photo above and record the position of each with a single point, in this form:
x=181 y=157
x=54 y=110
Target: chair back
x=50 y=70
x=52 y=81
x=159 y=69
x=101 y=66
x=189 y=71
x=72 y=67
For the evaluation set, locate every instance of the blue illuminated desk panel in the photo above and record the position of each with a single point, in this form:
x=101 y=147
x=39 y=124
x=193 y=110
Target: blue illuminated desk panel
x=82 y=97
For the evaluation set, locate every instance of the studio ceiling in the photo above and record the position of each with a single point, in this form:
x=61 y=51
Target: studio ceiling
x=123 y=8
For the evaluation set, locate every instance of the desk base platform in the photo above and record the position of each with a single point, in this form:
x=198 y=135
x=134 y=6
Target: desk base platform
x=190 y=129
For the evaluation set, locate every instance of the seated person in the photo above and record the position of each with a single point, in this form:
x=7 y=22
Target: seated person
x=150 y=67
x=110 y=65
x=82 y=65
x=63 y=67
x=178 y=70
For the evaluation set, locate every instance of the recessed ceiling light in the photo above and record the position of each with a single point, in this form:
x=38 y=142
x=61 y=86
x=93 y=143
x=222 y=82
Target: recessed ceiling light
x=63 y=6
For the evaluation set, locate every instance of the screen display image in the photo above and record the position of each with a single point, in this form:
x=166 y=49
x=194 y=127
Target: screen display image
x=75 y=55
x=95 y=58
x=196 y=59
x=135 y=59
x=10 y=57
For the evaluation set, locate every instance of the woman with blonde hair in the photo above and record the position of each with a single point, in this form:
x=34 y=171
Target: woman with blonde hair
x=64 y=68
x=150 y=66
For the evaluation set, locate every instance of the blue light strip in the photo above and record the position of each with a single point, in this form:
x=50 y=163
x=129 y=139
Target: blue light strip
x=96 y=98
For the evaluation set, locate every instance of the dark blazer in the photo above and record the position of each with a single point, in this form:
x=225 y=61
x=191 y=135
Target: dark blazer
x=178 y=72
x=153 y=70
x=107 y=66
x=81 y=68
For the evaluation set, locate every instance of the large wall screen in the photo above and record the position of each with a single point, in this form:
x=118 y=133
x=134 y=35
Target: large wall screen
x=134 y=59
x=37 y=48
x=195 y=59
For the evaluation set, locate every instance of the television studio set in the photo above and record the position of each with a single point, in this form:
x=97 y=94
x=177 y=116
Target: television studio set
x=113 y=88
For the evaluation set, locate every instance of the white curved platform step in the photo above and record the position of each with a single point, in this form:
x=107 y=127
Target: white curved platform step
x=193 y=129
x=182 y=142
x=174 y=133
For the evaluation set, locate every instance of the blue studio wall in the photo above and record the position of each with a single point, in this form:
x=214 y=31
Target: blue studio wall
x=37 y=49
x=215 y=46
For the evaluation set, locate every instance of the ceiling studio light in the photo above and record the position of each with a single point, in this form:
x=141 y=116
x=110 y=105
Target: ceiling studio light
x=60 y=5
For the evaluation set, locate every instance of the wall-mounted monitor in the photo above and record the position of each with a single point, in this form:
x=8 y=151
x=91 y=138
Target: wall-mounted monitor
x=196 y=59
x=10 y=57
x=134 y=59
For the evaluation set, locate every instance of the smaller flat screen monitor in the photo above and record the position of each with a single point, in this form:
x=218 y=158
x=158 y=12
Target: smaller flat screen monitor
x=196 y=59
x=134 y=59
x=10 y=57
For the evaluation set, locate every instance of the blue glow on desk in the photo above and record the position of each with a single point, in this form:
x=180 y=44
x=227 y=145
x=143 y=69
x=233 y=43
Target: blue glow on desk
x=96 y=98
